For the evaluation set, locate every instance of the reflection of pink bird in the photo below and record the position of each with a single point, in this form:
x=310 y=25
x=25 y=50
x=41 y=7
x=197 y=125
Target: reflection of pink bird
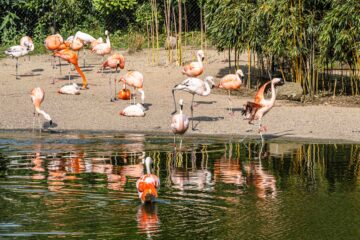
x=115 y=61
x=231 y=82
x=257 y=109
x=148 y=184
x=147 y=218
x=195 y=69
x=136 y=80
x=180 y=122
x=37 y=97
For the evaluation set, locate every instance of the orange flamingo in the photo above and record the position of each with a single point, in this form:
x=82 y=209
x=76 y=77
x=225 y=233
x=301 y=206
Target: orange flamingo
x=195 y=69
x=179 y=123
x=37 y=97
x=256 y=110
x=148 y=184
x=115 y=61
x=136 y=80
x=71 y=57
x=231 y=82
x=54 y=43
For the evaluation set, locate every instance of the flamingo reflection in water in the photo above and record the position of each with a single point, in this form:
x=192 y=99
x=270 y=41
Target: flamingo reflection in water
x=147 y=219
x=194 y=179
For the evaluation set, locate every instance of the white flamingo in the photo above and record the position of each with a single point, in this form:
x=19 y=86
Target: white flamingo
x=16 y=52
x=179 y=123
x=27 y=42
x=71 y=89
x=135 y=110
x=194 y=86
x=85 y=38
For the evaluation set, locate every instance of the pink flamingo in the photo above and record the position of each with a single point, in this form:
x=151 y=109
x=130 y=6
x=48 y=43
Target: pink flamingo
x=27 y=42
x=195 y=69
x=194 y=86
x=103 y=48
x=115 y=61
x=179 y=123
x=136 y=80
x=256 y=110
x=231 y=82
x=86 y=39
x=37 y=97
x=148 y=184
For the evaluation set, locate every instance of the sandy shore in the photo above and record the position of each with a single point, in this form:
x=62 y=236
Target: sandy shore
x=92 y=110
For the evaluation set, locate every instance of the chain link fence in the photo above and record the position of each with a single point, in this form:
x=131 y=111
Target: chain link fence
x=133 y=24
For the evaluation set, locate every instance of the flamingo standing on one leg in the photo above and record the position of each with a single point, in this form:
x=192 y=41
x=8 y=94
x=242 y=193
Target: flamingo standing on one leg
x=71 y=57
x=37 y=97
x=148 y=184
x=115 y=61
x=16 y=52
x=231 y=82
x=136 y=80
x=195 y=69
x=256 y=110
x=103 y=48
x=27 y=42
x=194 y=86
x=179 y=123
x=54 y=43
x=86 y=39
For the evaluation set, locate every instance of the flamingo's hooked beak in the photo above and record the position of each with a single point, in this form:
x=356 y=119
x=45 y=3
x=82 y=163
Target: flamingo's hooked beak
x=51 y=122
x=203 y=58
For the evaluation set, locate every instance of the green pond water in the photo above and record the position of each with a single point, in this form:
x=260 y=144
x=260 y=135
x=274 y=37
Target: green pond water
x=83 y=186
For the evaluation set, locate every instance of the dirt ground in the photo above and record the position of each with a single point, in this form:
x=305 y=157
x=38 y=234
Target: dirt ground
x=327 y=120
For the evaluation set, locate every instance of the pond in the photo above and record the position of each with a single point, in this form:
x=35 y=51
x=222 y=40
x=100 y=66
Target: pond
x=83 y=186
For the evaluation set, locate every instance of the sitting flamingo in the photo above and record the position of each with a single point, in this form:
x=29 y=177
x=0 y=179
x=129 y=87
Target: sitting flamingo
x=148 y=184
x=256 y=110
x=195 y=69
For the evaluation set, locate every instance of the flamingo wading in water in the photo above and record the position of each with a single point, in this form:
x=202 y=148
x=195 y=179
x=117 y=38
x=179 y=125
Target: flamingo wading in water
x=256 y=110
x=231 y=82
x=194 y=86
x=180 y=122
x=37 y=97
x=195 y=69
x=148 y=184
x=115 y=61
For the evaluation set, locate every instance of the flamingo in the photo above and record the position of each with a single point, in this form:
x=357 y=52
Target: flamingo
x=194 y=86
x=86 y=39
x=115 y=61
x=103 y=48
x=27 y=42
x=180 y=122
x=54 y=43
x=136 y=110
x=16 y=52
x=136 y=80
x=71 y=89
x=231 y=82
x=37 y=97
x=195 y=69
x=148 y=184
x=71 y=57
x=256 y=110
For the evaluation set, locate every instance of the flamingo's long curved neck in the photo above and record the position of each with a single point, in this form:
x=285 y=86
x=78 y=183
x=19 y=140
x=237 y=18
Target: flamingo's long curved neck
x=81 y=74
x=42 y=112
x=147 y=165
x=199 y=60
x=207 y=88
x=273 y=93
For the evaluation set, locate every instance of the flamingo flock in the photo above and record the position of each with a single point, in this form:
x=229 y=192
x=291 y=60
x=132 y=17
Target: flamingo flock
x=68 y=50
